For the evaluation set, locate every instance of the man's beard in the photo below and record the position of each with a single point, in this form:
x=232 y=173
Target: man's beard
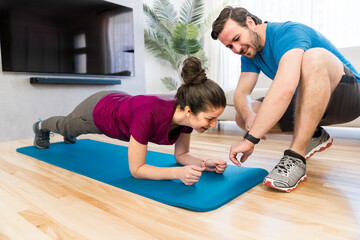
x=255 y=42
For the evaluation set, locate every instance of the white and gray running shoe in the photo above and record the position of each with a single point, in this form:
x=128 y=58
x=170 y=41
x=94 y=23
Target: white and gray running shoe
x=287 y=174
x=318 y=144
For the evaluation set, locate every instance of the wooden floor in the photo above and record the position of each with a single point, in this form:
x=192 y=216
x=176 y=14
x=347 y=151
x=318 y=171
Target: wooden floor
x=40 y=201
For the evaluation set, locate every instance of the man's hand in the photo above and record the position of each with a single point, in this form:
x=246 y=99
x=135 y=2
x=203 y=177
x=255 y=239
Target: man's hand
x=245 y=147
x=215 y=165
x=190 y=174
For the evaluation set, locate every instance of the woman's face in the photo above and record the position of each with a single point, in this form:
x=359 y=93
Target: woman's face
x=204 y=120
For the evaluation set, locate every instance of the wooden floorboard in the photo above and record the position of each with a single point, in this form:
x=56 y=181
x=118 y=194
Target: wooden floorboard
x=41 y=201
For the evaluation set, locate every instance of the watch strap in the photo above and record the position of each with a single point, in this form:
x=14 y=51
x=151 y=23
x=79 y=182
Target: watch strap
x=251 y=138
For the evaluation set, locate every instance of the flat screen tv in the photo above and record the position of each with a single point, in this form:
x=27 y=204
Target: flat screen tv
x=67 y=37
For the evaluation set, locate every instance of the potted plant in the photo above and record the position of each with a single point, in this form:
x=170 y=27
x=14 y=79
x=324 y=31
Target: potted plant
x=173 y=36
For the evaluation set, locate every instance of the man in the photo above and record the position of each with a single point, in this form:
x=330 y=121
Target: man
x=313 y=86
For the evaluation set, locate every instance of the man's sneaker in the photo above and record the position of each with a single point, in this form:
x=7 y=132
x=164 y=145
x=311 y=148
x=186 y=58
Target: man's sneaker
x=287 y=174
x=70 y=140
x=318 y=144
x=42 y=138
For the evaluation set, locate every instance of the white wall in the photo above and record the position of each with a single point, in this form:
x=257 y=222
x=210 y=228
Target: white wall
x=23 y=103
x=155 y=69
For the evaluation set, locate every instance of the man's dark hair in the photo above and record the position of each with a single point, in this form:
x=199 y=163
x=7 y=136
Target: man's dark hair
x=237 y=14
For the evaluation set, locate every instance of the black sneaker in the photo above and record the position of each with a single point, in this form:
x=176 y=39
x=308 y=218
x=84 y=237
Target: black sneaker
x=42 y=138
x=70 y=140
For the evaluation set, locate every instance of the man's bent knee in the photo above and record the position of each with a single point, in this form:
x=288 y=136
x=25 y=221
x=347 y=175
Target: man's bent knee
x=320 y=63
x=313 y=62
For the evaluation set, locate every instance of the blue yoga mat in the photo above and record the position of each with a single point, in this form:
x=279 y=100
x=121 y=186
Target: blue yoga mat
x=108 y=163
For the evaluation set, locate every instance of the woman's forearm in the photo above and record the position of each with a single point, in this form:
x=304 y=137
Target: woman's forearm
x=155 y=173
x=188 y=159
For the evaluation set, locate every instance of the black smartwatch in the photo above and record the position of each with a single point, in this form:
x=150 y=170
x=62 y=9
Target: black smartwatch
x=251 y=138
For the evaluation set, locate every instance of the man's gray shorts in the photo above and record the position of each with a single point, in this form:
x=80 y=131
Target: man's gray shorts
x=344 y=104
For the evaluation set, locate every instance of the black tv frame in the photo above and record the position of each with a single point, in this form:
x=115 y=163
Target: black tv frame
x=77 y=78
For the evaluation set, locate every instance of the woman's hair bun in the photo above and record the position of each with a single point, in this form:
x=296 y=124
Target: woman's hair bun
x=192 y=72
x=198 y=92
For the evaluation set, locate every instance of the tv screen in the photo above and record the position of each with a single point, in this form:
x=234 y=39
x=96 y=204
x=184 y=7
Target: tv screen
x=76 y=37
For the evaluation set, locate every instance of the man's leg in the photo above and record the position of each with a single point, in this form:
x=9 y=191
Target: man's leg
x=321 y=139
x=321 y=72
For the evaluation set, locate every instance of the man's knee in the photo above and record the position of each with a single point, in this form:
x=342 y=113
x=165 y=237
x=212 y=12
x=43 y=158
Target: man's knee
x=313 y=62
x=321 y=64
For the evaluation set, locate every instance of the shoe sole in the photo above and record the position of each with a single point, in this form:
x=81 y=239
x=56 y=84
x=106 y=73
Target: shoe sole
x=38 y=147
x=320 y=148
x=270 y=183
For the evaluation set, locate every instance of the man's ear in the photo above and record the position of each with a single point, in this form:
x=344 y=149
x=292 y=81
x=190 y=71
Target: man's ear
x=187 y=111
x=250 y=22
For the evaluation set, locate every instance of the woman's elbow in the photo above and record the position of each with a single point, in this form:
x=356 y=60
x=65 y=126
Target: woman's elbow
x=135 y=173
x=179 y=158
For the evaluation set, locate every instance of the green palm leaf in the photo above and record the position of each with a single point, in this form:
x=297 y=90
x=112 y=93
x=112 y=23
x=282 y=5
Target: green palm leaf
x=155 y=24
x=201 y=55
x=170 y=83
x=192 y=11
x=210 y=18
x=185 y=39
x=160 y=47
x=166 y=13
x=173 y=36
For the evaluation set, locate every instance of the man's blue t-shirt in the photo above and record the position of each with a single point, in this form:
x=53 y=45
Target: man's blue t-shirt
x=282 y=37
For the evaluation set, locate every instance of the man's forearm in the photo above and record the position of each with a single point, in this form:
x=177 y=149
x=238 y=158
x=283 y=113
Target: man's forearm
x=243 y=106
x=272 y=109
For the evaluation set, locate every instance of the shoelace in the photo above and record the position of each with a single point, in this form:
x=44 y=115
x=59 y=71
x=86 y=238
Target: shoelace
x=286 y=162
x=45 y=136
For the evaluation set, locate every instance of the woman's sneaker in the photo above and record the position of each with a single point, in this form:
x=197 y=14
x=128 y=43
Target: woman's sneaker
x=42 y=138
x=318 y=144
x=288 y=173
x=70 y=140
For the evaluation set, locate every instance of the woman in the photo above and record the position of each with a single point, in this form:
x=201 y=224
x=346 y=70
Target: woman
x=142 y=119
